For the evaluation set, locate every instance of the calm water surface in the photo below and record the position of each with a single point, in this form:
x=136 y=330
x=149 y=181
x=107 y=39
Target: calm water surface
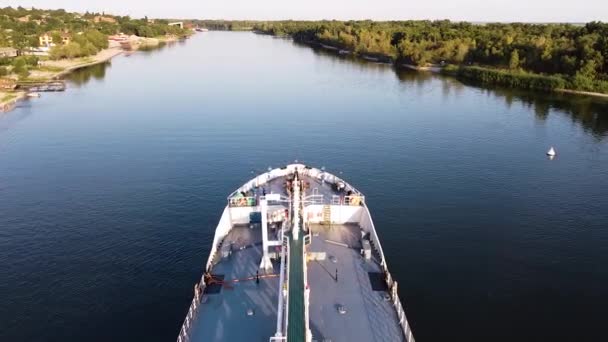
x=110 y=192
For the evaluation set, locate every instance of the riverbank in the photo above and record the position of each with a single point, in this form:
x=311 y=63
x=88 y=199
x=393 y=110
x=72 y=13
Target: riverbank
x=53 y=70
x=8 y=100
x=483 y=75
x=68 y=65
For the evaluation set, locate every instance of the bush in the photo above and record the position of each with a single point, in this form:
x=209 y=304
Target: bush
x=97 y=39
x=57 y=52
x=71 y=50
x=29 y=60
x=509 y=78
x=88 y=49
x=19 y=66
x=86 y=44
x=3 y=71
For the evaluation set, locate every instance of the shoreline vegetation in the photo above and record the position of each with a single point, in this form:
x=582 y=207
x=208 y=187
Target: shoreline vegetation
x=53 y=70
x=564 y=58
x=38 y=47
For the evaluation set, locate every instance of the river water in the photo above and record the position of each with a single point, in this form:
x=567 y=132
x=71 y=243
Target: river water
x=110 y=192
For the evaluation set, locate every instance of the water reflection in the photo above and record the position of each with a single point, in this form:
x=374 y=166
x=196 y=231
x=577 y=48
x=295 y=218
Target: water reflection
x=147 y=50
x=83 y=76
x=590 y=112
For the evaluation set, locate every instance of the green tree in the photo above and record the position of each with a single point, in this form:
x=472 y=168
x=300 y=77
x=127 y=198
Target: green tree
x=73 y=50
x=98 y=39
x=20 y=41
x=57 y=52
x=514 y=60
x=20 y=67
x=56 y=36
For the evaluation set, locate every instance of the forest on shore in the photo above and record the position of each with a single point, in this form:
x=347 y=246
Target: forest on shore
x=532 y=56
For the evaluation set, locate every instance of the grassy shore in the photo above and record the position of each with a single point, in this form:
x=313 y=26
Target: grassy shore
x=9 y=99
x=516 y=79
x=52 y=70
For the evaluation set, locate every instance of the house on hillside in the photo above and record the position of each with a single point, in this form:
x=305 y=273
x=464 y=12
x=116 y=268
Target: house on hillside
x=47 y=39
x=66 y=38
x=25 y=19
x=8 y=52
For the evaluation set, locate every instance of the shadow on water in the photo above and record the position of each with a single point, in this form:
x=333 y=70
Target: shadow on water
x=590 y=112
x=83 y=76
x=148 y=50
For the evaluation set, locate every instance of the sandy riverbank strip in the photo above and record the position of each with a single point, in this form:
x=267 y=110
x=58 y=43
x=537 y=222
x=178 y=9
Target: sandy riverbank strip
x=580 y=92
x=69 y=65
x=8 y=100
x=435 y=69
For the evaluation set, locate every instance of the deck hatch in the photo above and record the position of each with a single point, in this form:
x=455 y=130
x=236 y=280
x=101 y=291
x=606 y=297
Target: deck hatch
x=376 y=280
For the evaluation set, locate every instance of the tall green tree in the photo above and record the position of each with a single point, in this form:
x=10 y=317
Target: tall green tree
x=514 y=60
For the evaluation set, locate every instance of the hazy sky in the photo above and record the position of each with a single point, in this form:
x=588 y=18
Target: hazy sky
x=469 y=10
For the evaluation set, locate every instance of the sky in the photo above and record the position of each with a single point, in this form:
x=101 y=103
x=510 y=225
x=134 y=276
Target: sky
x=456 y=10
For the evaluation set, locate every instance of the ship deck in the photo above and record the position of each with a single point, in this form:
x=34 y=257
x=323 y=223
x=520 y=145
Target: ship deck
x=314 y=185
x=223 y=316
x=369 y=315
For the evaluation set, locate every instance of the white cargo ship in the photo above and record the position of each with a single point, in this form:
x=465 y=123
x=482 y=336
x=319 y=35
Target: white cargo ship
x=296 y=257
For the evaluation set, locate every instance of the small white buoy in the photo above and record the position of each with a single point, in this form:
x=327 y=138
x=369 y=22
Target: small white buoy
x=551 y=152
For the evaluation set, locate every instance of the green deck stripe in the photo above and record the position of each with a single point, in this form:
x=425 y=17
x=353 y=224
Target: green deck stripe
x=296 y=325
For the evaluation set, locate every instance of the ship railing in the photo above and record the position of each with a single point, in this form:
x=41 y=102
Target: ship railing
x=184 y=333
x=283 y=306
x=313 y=199
x=351 y=200
x=242 y=201
x=275 y=199
x=354 y=200
x=199 y=289
x=286 y=294
x=405 y=326
x=306 y=288
x=368 y=225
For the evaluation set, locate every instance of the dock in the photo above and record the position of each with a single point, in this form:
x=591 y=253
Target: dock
x=37 y=86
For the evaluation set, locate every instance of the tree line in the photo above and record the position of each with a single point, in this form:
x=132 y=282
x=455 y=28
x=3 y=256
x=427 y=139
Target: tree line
x=575 y=54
